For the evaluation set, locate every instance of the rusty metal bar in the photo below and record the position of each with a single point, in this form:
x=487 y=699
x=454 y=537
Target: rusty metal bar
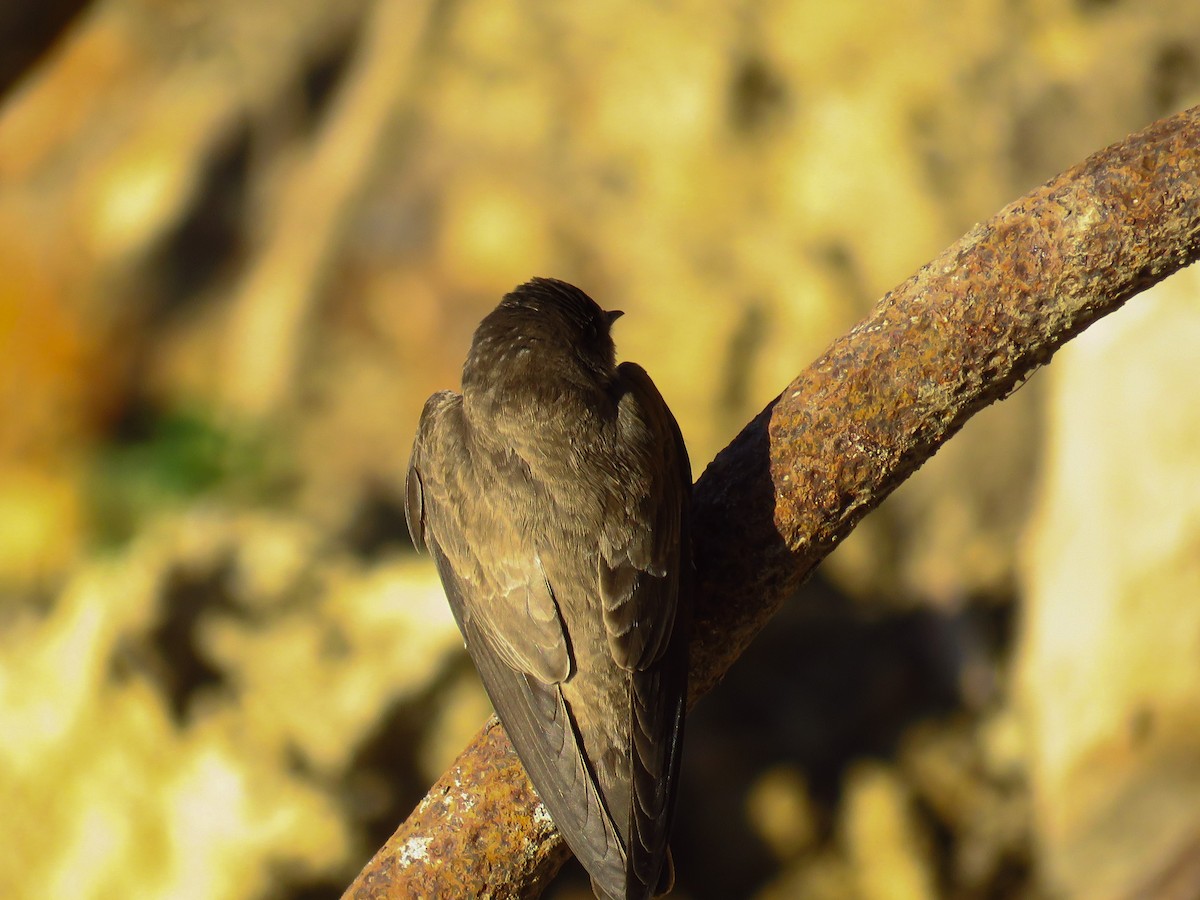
x=961 y=333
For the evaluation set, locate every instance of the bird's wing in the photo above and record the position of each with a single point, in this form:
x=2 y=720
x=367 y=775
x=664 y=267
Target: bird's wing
x=640 y=553
x=547 y=741
x=645 y=581
x=493 y=617
x=504 y=592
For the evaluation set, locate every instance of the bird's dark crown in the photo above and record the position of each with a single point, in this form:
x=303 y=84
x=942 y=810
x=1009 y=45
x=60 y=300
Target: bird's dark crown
x=541 y=321
x=564 y=301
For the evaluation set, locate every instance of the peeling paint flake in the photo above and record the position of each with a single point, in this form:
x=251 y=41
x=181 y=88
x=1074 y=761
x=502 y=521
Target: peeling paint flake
x=541 y=816
x=414 y=850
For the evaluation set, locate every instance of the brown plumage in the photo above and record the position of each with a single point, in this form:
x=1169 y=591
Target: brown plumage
x=552 y=494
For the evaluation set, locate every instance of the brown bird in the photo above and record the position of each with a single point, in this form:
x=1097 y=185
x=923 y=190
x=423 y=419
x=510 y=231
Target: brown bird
x=552 y=494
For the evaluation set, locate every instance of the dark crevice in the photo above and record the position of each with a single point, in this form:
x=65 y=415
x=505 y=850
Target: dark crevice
x=208 y=243
x=28 y=31
x=758 y=96
x=188 y=600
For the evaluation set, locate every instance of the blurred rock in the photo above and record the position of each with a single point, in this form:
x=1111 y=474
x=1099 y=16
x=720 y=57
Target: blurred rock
x=40 y=525
x=883 y=839
x=825 y=878
x=977 y=799
x=781 y=811
x=1110 y=664
x=179 y=731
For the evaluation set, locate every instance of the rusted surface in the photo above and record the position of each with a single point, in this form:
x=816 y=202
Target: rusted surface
x=479 y=832
x=960 y=334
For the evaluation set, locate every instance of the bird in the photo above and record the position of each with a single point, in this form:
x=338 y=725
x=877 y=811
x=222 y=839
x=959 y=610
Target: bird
x=552 y=494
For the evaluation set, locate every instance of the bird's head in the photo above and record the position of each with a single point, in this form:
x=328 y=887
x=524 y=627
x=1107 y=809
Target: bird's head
x=545 y=330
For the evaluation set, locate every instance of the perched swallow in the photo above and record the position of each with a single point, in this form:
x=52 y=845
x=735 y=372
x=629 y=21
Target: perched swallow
x=552 y=494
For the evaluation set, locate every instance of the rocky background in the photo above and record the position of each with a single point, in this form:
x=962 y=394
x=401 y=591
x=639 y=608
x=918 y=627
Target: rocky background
x=241 y=242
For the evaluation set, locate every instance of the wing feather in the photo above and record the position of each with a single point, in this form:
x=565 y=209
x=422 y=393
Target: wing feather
x=541 y=730
x=640 y=565
x=516 y=606
x=647 y=608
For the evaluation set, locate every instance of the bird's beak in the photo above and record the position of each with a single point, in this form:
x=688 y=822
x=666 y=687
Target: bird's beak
x=613 y=315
